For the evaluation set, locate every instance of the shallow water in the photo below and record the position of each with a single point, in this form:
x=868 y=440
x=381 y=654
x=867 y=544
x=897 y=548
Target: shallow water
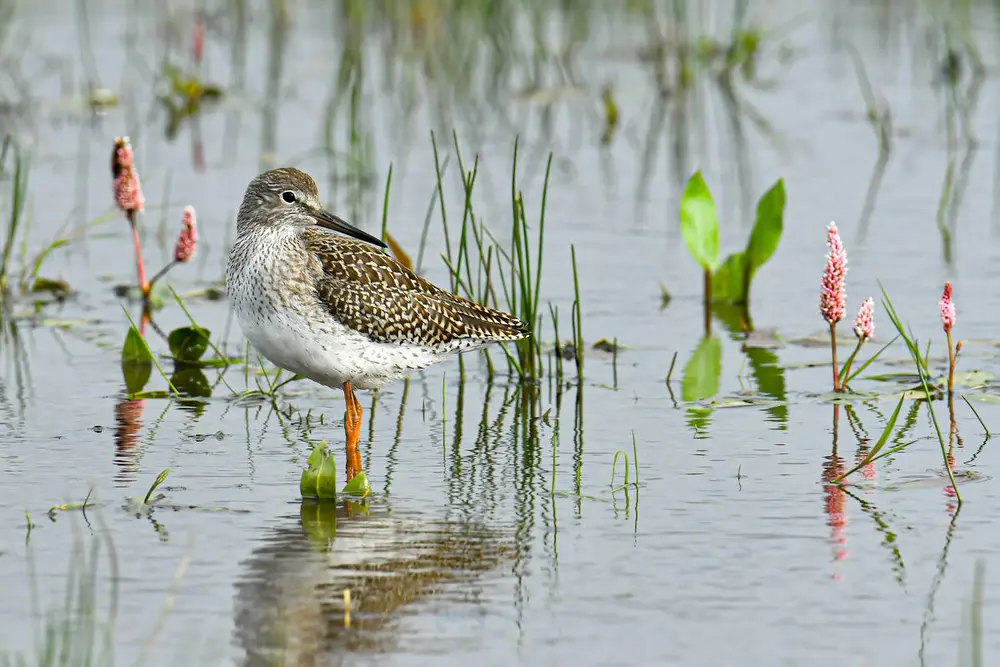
x=492 y=537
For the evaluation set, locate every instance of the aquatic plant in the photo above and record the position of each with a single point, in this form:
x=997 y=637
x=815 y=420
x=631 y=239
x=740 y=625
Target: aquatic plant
x=833 y=295
x=947 y=309
x=129 y=198
x=864 y=330
x=729 y=282
x=519 y=266
x=921 y=367
x=187 y=243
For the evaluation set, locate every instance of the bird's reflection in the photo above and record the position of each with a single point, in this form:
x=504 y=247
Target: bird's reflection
x=289 y=606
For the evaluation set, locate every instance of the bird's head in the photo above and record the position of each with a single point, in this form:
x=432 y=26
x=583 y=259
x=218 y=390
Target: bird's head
x=288 y=196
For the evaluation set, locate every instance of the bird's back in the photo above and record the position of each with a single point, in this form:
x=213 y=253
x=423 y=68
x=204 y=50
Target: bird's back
x=370 y=292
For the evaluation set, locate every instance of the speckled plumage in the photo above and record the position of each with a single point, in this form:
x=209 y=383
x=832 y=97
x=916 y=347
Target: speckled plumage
x=336 y=309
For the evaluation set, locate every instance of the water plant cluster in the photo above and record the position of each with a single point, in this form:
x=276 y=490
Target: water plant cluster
x=501 y=263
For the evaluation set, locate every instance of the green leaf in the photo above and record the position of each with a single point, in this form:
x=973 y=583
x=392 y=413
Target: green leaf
x=191 y=381
x=699 y=223
x=359 y=486
x=188 y=344
x=767 y=227
x=159 y=480
x=728 y=280
x=701 y=375
x=319 y=520
x=319 y=479
x=137 y=362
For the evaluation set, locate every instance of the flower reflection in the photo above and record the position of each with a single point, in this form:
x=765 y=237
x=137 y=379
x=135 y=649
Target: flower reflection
x=128 y=423
x=834 y=497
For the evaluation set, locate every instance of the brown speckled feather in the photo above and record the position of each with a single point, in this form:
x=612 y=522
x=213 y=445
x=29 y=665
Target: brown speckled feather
x=372 y=293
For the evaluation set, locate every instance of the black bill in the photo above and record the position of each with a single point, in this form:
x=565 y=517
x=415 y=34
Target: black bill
x=330 y=221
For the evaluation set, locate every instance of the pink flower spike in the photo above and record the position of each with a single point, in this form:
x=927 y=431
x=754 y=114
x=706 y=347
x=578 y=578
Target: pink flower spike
x=864 y=323
x=188 y=239
x=833 y=295
x=128 y=191
x=947 y=308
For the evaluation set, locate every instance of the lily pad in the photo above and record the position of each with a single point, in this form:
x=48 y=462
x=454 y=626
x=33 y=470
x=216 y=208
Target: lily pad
x=984 y=398
x=970 y=379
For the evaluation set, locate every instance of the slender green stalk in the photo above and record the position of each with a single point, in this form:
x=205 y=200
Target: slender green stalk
x=976 y=412
x=577 y=319
x=440 y=190
x=846 y=370
x=845 y=378
x=915 y=354
x=670 y=371
x=19 y=187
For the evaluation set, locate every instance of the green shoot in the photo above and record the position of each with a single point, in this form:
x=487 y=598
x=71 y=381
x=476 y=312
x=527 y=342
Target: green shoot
x=159 y=480
x=976 y=412
x=922 y=371
x=874 y=454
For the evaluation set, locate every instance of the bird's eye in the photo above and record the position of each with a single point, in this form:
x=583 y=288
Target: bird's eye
x=288 y=197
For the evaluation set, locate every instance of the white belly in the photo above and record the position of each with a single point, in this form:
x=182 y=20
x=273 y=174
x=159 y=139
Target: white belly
x=329 y=353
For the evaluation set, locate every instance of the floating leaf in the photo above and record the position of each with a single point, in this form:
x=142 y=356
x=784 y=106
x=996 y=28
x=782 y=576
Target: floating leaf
x=137 y=362
x=55 y=287
x=359 y=486
x=766 y=228
x=319 y=479
x=973 y=379
x=983 y=398
x=188 y=344
x=699 y=223
x=701 y=375
x=728 y=281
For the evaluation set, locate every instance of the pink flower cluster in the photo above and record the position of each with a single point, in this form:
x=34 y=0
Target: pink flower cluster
x=947 y=308
x=188 y=239
x=864 y=323
x=833 y=295
x=128 y=191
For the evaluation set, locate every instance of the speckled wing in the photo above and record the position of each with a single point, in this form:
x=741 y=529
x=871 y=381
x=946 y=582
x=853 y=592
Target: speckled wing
x=372 y=293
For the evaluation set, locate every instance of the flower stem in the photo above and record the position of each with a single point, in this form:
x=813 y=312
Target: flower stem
x=162 y=272
x=833 y=352
x=850 y=360
x=140 y=268
x=951 y=364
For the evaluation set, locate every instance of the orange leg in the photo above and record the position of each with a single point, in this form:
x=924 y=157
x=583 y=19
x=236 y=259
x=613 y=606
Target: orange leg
x=352 y=427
